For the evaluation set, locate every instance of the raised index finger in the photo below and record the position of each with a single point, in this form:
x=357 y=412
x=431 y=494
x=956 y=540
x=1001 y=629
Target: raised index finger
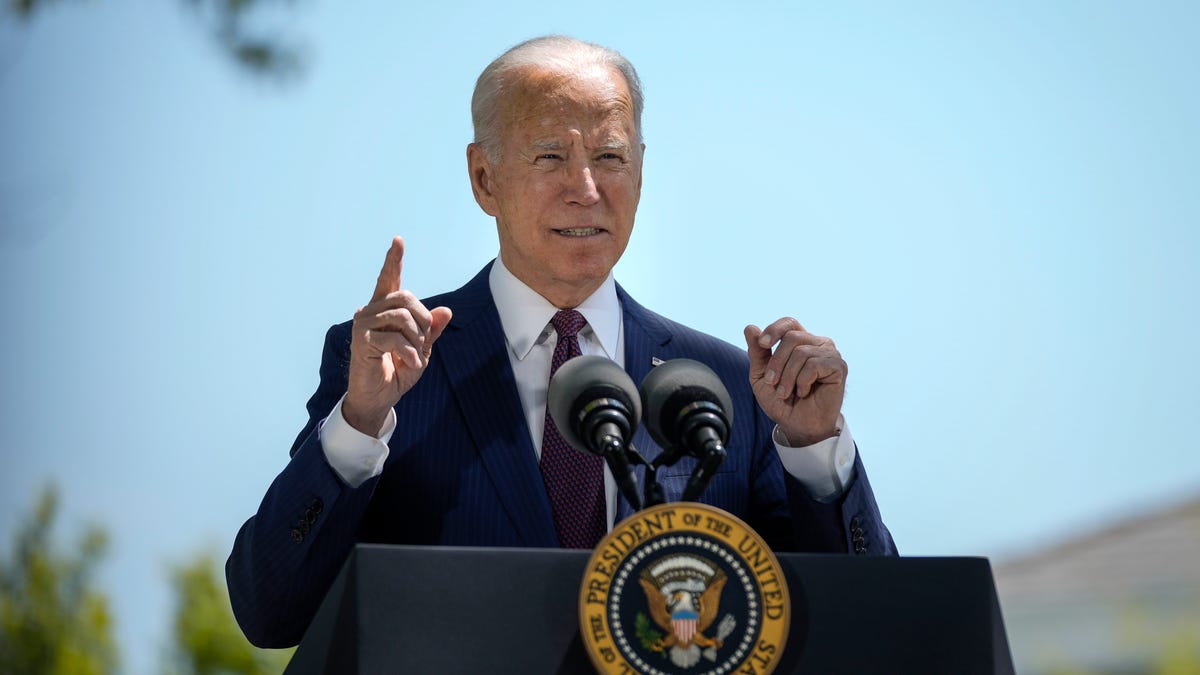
x=389 y=276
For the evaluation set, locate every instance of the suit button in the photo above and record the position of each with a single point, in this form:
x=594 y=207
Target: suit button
x=297 y=535
x=858 y=533
x=854 y=522
x=310 y=516
x=317 y=505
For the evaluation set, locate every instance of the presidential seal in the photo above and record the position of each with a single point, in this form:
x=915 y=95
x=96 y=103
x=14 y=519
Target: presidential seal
x=684 y=588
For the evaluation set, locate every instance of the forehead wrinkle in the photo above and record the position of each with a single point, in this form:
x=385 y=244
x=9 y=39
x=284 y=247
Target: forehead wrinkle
x=560 y=110
x=608 y=137
x=550 y=97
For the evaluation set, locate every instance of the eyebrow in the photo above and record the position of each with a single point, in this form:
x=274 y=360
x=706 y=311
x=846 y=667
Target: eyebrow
x=542 y=146
x=614 y=145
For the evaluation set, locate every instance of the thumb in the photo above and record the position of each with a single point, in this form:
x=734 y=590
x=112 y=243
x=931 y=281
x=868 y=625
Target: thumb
x=440 y=319
x=759 y=355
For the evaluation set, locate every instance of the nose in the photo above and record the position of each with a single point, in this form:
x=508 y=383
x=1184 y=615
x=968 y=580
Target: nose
x=580 y=185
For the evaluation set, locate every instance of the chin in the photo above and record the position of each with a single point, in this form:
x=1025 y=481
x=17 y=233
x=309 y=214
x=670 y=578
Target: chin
x=579 y=280
x=587 y=271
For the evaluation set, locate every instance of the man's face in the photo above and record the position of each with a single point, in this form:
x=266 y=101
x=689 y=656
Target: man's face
x=566 y=187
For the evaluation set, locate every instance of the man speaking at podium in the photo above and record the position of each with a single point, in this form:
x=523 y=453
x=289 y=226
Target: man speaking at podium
x=429 y=425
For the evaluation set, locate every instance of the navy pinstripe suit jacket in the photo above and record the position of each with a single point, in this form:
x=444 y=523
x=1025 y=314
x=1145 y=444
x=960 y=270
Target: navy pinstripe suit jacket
x=462 y=470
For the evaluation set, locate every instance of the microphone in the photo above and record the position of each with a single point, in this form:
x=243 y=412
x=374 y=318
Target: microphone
x=596 y=408
x=688 y=412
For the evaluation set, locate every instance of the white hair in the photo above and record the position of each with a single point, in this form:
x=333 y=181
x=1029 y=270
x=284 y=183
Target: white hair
x=552 y=51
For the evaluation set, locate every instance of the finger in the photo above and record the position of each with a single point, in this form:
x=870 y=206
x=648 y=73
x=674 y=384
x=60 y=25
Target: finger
x=399 y=321
x=439 y=319
x=758 y=354
x=788 y=362
x=775 y=332
x=400 y=311
x=798 y=358
x=389 y=275
x=402 y=299
x=789 y=341
x=819 y=370
x=391 y=342
x=385 y=341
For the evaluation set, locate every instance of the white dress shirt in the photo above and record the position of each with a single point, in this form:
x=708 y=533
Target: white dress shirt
x=824 y=469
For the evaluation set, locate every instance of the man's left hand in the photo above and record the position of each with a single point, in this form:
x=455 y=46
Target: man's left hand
x=800 y=384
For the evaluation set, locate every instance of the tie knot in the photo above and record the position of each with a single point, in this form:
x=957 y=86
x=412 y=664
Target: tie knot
x=568 y=323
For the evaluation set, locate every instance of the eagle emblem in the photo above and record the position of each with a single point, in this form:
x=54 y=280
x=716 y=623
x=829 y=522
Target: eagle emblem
x=683 y=593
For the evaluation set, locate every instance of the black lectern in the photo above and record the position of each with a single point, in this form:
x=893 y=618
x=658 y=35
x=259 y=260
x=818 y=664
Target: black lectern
x=401 y=609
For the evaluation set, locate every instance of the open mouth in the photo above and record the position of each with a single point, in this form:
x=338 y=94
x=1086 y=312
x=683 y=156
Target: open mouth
x=579 y=231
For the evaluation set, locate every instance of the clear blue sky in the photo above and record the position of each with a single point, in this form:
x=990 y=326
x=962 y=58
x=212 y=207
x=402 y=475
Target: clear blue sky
x=994 y=211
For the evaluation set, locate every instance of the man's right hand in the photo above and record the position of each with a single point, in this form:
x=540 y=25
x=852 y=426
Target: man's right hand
x=391 y=342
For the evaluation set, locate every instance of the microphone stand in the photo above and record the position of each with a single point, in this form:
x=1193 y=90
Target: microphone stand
x=652 y=491
x=714 y=456
x=703 y=472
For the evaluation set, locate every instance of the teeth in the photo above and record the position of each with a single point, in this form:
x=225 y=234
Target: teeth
x=580 y=231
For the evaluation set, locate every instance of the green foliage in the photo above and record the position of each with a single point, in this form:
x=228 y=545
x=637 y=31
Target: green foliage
x=649 y=637
x=207 y=640
x=235 y=25
x=24 y=9
x=52 y=619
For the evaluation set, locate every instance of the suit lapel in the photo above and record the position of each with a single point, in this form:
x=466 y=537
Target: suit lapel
x=646 y=336
x=481 y=377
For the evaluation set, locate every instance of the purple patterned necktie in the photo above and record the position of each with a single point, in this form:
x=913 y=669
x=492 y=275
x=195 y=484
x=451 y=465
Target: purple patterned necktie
x=574 y=480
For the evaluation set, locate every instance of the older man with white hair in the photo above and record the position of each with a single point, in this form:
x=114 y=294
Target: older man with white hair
x=429 y=425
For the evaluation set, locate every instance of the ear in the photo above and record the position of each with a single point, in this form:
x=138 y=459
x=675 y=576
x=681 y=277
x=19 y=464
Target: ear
x=641 y=170
x=481 y=172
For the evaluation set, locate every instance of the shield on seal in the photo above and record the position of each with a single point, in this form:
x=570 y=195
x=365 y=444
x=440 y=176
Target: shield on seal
x=683 y=624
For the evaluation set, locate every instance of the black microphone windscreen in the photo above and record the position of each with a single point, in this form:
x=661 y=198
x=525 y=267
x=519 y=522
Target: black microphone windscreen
x=671 y=386
x=583 y=380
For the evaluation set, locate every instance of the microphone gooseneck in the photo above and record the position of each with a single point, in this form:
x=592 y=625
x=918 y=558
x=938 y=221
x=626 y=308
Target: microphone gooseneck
x=688 y=411
x=596 y=408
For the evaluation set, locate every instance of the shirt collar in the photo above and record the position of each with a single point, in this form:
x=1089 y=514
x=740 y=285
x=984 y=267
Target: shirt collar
x=525 y=315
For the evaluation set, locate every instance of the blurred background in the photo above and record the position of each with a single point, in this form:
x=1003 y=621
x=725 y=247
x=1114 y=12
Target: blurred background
x=993 y=209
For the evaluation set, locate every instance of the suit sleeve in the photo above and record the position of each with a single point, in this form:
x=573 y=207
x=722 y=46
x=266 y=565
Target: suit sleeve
x=849 y=524
x=287 y=555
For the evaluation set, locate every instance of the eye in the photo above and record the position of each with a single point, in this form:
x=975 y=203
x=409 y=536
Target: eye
x=611 y=157
x=549 y=155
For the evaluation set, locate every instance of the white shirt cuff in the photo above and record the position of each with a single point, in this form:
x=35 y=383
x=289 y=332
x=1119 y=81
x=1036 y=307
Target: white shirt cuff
x=824 y=468
x=355 y=456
